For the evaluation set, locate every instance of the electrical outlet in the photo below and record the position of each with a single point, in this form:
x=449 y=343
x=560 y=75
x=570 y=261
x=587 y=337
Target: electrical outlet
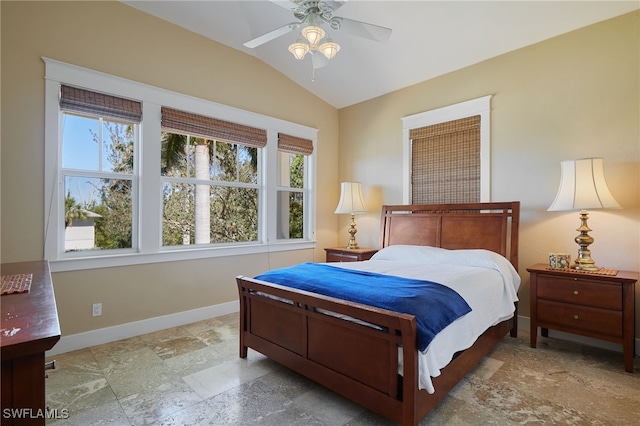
x=97 y=309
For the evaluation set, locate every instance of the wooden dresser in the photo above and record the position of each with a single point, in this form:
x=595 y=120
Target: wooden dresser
x=29 y=327
x=597 y=306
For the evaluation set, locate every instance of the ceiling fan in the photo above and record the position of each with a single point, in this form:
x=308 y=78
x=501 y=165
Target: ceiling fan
x=312 y=15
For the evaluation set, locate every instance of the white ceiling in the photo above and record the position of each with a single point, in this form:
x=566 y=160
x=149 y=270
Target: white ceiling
x=429 y=38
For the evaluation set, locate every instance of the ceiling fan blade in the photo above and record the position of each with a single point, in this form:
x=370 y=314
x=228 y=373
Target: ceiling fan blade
x=361 y=29
x=334 y=4
x=319 y=60
x=287 y=4
x=271 y=35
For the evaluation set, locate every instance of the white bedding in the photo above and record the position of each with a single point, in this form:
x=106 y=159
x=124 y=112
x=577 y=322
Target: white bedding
x=486 y=280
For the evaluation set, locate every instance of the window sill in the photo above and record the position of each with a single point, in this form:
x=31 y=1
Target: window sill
x=108 y=261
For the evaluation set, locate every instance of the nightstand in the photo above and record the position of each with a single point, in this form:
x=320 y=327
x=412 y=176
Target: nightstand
x=592 y=305
x=342 y=254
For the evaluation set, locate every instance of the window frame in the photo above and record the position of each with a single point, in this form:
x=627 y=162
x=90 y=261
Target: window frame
x=282 y=189
x=149 y=200
x=291 y=145
x=65 y=172
x=479 y=106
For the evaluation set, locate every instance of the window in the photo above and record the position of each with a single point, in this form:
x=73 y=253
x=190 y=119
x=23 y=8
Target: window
x=445 y=162
x=137 y=174
x=211 y=186
x=292 y=157
x=99 y=134
x=446 y=154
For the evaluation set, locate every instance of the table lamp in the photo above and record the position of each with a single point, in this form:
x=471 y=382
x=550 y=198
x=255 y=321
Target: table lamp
x=582 y=187
x=351 y=202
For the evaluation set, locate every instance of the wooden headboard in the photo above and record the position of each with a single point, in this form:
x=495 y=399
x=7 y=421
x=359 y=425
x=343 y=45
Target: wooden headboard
x=491 y=226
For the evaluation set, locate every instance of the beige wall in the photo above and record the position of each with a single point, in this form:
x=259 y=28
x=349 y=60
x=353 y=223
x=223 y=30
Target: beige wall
x=116 y=39
x=573 y=96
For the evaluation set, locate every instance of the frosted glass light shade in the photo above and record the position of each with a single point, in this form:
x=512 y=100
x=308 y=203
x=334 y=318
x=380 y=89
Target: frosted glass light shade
x=351 y=200
x=583 y=187
x=299 y=49
x=329 y=48
x=313 y=33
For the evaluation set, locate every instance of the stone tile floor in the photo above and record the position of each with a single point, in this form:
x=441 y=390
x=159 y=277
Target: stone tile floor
x=192 y=375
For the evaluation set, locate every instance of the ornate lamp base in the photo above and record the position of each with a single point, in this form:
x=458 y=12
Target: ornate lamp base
x=584 y=262
x=352 y=234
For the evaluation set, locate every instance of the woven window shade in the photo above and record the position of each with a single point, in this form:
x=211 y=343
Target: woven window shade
x=445 y=162
x=212 y=128
x=294 y=145
x=81 y=101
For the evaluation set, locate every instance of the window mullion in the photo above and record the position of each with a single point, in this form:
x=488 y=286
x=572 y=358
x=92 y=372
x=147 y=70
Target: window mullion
x=309 y=196
x=150 y=186
x=270 y=192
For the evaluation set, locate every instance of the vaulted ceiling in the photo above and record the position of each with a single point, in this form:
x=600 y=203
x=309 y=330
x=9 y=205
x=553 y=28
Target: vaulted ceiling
x=429 y=38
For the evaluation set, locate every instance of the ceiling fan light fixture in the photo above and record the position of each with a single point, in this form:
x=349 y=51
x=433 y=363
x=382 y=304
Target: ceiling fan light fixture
x=313 y=33
x=329 y=48
x=311 y=16
x=299 y=49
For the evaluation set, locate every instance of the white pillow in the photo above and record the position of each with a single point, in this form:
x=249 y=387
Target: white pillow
x=429 y=255
x=412 y=253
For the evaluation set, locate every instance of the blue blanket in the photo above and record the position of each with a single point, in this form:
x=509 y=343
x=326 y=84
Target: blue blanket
x=434 y=305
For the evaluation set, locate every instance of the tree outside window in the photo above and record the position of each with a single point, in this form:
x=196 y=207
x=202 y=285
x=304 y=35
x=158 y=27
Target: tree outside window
x=210 y=191
x=97 y=168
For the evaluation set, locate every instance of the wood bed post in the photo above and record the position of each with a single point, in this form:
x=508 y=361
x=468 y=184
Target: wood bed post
x=410 y=375
x=243 y=319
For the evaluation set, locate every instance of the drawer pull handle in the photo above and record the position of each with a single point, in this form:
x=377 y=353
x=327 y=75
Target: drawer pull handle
x=575 y=292
x=576 y=317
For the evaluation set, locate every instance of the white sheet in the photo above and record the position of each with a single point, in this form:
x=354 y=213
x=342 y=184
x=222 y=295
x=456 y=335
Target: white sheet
x=486 y=280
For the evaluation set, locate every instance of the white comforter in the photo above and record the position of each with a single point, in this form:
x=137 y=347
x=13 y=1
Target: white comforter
x=486 y=280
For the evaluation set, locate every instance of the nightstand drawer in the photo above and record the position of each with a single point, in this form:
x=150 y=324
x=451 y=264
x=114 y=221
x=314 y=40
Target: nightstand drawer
x=342 y=257
x=568 y=316
x=581 y=292
x=342 y=254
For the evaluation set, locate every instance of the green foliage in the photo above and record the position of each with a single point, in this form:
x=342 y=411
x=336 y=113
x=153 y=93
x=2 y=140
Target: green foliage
x=296 y=210
x=297 y=170
x=233 y=211
x=72 y=211
x=296 y=215
x=177 y=214
x=114 y=227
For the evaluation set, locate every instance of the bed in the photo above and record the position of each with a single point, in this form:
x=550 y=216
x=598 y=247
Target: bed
x=369 y=354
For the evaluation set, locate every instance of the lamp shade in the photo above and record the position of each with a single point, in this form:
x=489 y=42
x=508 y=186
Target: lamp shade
x=583 y=187
x=350 y=199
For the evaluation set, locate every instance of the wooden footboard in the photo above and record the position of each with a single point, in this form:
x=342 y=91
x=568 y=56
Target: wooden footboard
x=358 y=361
x=361 y=362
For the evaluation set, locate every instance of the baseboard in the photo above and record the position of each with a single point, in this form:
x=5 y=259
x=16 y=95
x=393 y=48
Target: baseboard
x=524 y=323
x=123 y=331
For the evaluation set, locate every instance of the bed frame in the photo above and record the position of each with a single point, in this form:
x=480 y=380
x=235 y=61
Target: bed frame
x=360 y=362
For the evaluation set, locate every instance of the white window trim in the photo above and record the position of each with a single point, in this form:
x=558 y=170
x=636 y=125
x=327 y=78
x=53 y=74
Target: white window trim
x=150 y=249
x=479 y=106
